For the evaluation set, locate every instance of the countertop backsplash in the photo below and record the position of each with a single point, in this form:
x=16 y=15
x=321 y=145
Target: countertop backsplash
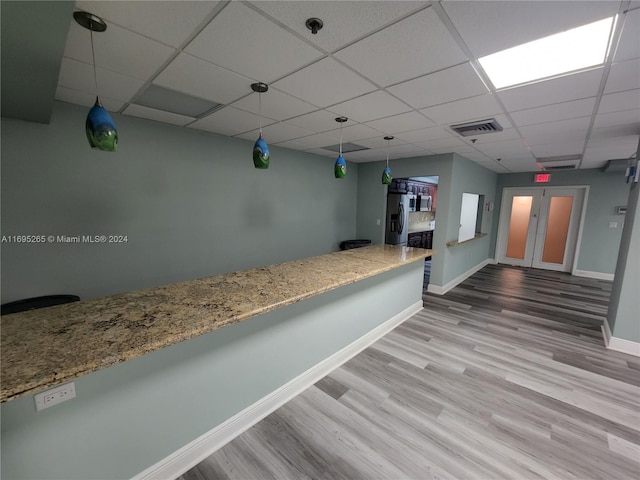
x=421 y=221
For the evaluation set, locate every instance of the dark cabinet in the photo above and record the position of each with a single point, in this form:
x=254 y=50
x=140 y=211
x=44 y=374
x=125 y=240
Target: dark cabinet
x=420 y=240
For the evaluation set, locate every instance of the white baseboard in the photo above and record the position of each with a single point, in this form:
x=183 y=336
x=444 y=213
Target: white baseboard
x=590 y=274
x=193 y=453
x=441 y=290
x=619 y=344
x=606 y=333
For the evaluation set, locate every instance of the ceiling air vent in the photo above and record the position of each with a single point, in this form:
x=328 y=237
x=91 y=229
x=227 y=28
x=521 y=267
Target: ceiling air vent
x=346 y=147
x=477 y=128
x=561 y=162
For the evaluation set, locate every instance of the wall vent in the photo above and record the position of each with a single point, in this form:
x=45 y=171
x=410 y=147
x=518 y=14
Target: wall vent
x=346 y=147
x=477 y=128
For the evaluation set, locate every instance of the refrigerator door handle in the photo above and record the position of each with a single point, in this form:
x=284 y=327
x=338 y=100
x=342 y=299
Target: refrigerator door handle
x=401 y=218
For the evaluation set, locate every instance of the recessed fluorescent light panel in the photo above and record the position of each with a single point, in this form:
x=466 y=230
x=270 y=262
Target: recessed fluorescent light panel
x=568 y=51
x=169 y=100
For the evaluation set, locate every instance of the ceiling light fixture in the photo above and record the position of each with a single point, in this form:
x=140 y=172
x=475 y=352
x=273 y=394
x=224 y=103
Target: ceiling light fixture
x=564 y=52
x=260 y=149
x=100 y=129
x=340 y=168
x=386 y=174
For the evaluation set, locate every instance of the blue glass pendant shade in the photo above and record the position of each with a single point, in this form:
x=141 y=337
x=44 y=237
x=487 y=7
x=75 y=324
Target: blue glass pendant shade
x=101 y=131
x=340 y=168
x=261 y=153
x=386 y=176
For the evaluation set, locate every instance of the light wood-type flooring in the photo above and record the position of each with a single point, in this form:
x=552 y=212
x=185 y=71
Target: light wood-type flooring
x=504 y=377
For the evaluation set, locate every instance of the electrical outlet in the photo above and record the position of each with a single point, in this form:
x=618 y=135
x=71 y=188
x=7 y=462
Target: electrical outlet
x=613 y=224
x=54 y=396
x=378 y=221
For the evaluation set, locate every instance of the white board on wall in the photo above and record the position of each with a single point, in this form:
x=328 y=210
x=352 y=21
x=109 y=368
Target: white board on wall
x=468 y=216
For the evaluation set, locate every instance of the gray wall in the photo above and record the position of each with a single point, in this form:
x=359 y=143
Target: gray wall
x=190 y=202
x=599 y=243
x=624 y=305
x=456 y=176
x=130 y=416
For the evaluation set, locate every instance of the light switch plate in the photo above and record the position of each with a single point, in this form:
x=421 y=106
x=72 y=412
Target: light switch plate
x=613 y=224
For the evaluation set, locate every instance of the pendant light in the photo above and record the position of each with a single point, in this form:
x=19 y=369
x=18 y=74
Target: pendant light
x=100 y=129
x=340 y=168
x=386 y=174
x=260 y=148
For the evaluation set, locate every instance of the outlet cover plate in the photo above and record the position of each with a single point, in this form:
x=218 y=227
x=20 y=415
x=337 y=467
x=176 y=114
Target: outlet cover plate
x=54 y=396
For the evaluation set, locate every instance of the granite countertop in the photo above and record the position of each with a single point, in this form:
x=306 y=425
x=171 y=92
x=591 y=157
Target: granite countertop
x=419 y=229
x=50 y=346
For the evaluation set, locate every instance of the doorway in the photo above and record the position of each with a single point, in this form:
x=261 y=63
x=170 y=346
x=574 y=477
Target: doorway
x=540 y=227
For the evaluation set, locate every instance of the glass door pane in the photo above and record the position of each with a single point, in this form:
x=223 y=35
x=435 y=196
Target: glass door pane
x=555 y=239
x=519 y=226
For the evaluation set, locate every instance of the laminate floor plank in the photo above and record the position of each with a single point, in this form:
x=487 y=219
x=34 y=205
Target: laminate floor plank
x=504 y=377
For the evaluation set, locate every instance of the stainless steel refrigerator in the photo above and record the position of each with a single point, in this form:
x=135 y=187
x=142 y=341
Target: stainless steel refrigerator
x=397 y=223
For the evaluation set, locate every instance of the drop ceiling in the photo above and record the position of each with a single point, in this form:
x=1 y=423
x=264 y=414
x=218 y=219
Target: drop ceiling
x=402 y=68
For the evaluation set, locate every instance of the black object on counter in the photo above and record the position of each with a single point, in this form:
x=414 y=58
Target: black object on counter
x=36 y=302
x=349 y=244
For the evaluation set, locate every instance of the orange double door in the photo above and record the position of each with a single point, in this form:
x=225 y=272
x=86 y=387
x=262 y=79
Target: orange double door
x=540 y=226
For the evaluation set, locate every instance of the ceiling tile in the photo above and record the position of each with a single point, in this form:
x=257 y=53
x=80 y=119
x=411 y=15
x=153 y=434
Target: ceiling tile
x=337 y=83
x=616 y=102
x=626 y=117
x=503 y=136
x=202 y=79
x=318 y=151
x=620 y=147
x=227 y=121
x=415 y=46
x=379 y=142
x=558 y=111
x=562 y=89
x=557 y=148
x=491 y=26
x=629 y=46
x=606 y=133
x=314 y=141
x=370 y=107
x=118 y=50
x=243 y=41
x=172 y=21
x=79 y=76
x=424 y=134
x=352 y=133
x=623 y=76
x=158 y=115
x=444 y=86
x=277 y=132
x=275 y=104
x=519 y=164
x=87 y=99
x=442 y=145
x=473 y=108
x=510 y=148
x=401 y=123
x=319 y=121
x=339 y=26
x=574 y=129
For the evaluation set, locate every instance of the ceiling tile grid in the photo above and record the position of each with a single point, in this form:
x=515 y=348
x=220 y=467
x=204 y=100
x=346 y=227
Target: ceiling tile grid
x=411 y=48
x=406 y=69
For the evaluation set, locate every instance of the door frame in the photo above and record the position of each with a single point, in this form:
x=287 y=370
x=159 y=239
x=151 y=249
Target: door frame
x=503 y=222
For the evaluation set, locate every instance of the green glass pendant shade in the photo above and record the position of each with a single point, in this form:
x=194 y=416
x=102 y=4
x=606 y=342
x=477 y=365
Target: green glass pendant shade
x=386 y=176
x=100 y=129
x=261 y=153
x=340 y=169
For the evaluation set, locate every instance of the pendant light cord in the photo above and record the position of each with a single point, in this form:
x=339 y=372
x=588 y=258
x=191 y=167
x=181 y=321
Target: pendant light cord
x=387 y=153
x=93 y=55
x=341 y=138
x=260 y=111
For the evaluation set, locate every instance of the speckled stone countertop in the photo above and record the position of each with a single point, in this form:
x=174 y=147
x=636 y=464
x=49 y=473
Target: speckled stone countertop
x=50 y=346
